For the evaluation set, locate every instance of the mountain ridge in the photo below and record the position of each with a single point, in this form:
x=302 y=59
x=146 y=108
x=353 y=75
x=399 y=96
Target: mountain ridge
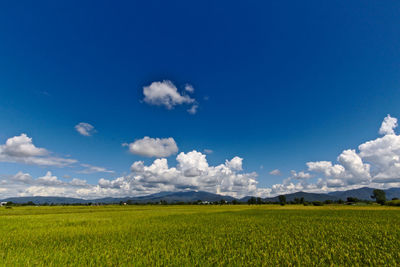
x=363 y=193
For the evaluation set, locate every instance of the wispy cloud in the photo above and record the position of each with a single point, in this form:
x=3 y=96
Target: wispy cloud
x=85 y=129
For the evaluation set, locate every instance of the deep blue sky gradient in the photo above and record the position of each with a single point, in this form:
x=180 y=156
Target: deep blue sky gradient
x=278 y=83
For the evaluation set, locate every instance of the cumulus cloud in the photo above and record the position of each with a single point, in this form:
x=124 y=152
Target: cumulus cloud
x=21 y=146
x=388 y=125
x=375 y=163
x=85 y=129
x=351 y=170
x=48 y=179
x=300 y=175
x=235 y=163
x=20 y=149
x=327 y=168
x=275 y=172
x=23 y=184
x=192 y=172
x=153 y=147
x=22 y=177
x=166 y=94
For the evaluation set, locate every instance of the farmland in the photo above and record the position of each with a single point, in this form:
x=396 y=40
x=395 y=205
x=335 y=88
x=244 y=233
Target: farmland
x=200 y=235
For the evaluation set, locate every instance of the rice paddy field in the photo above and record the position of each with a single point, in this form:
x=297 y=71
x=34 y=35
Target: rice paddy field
x=239 y=235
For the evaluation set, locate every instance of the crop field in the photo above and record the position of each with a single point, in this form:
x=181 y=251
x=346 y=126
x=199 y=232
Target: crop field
x=236 y=235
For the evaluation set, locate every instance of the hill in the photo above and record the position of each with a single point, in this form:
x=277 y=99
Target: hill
x=170 y=197
x=191 y=196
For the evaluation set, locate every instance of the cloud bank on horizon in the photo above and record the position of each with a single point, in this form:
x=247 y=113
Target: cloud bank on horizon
x=375 y=163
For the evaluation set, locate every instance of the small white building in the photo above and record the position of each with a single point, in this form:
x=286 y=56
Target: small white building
x=3 y=204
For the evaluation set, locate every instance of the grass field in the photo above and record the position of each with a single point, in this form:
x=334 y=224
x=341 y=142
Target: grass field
x=200 y=235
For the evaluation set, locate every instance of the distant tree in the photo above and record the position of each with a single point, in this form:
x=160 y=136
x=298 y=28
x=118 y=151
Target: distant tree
x=235 y=202
x=317 y=203
x=259 y=201
x=282 y=199
x=252 y=200
x=30 y=203
x=328 y=201
x=129 y=202
x=302 y=200
x=222 y=202
x=395 y=198
x=340 y=201
x=379 y=196
x=352 y=199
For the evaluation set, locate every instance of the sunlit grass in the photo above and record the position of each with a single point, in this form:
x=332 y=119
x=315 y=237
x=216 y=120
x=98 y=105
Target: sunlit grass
x=200 y=235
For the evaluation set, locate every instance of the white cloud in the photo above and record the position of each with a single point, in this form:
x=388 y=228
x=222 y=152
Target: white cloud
x=375 y=163
x=93 y=169
x=85 y=129
x=48 y=179
x=357 y=171
x=388 y=125
x=20 y=149
x=153 y=147
x=78 y=182
x=22 y=177
x=326 y=168
x=193 y=109
x=21 y=146
x=44 y=191
x=165 y=94
x=235 y=163
x=275 y=172
x=22 y=184
x=189 y=88
x=192 y=172
x=300 y=175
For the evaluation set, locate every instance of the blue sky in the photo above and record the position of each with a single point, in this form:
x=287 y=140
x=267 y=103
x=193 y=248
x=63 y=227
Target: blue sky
x=275 y=84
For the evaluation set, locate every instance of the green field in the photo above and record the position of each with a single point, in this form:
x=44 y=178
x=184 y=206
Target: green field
x=200 y=235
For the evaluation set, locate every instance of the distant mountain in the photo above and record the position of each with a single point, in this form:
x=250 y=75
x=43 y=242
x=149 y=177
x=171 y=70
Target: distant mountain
x=49 y=200
x=299 y=195
x=305 y=195
x=191 y=196
x=363 y=193
x=170 y=197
